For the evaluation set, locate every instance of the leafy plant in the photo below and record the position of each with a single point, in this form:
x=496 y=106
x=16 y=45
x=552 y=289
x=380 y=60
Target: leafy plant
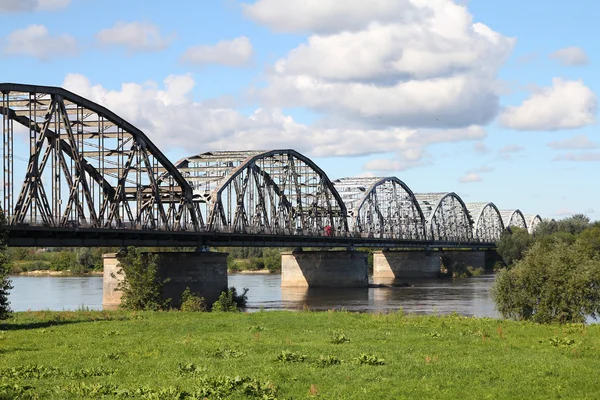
x=289 y=356
x=326 y=361
x=141 y=285
x=191 y=302
x=230 y=301
x=339 y=337
x=5 y=283
x=369 y=359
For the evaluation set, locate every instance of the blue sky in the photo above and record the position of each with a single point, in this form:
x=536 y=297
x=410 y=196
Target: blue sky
x=494 y=101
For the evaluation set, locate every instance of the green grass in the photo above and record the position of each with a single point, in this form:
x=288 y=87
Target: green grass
x=328 y=355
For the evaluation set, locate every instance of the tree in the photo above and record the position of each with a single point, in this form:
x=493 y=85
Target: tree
x=555 y=282
x=141 y=285
x=513 y=243
x=575 y=224
x=5 y=283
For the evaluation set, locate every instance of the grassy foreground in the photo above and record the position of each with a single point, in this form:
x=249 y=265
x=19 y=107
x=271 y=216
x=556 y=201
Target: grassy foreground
x=329 y=355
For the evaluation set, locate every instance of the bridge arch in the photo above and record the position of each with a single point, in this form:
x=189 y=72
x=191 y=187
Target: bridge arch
x=487 y=221
x=381 y=207
x=513 y=218
x=268 y=192
x=532 y=222
x=447 y=216
x=87 y=167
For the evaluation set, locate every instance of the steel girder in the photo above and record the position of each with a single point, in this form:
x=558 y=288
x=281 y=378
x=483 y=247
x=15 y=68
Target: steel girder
x=86 y=167
x=532 y=222
x=278 y=192
x=513 y=218
x=487 y=221
x=381 y=207
x=447 y=216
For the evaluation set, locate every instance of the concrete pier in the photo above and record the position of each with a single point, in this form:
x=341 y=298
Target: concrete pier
x=205 y=273
x=324 y=269
x=405 y=264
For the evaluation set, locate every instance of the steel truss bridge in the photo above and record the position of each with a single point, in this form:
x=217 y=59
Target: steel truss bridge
x=93 y=179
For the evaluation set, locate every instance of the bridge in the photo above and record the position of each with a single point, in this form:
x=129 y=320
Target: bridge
x=90 y=178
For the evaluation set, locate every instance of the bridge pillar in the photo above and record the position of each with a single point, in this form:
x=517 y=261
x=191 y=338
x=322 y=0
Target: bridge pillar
x=327 y=269
x=396 y=264
x=205 y=273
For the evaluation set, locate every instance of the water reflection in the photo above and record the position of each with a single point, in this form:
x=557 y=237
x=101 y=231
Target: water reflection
x=464 y=296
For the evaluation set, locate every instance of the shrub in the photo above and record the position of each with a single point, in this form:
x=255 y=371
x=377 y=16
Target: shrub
x=141 y=286
x=513 y=243
x=5 y=283
x=191 y=302
x=553 y=283
x=230 y=301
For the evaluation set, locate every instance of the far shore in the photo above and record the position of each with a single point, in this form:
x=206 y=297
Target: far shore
x=47 y=272
x=257 y=272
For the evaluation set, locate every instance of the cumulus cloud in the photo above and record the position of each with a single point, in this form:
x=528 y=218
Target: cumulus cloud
x=134 y=36
x=570 y=56
x=400 y=63
x=36 y=41
x=232 y=53
x=566 y=104
x=32 y=5
x=470 y=178
x=577 y=142
x=172 y=119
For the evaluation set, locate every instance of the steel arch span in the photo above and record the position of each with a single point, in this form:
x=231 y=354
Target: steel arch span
x=513 y=218
x=487 y=221
x=532 y=222
x=447 y=216
x=381 y=207
x=276 y=192
x=86 y=167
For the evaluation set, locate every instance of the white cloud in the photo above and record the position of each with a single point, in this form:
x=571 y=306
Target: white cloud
x=565 y=105
x=232 y=53
x=35 y=41
x=470 y=178
x=387 y=165
x=134 y=36
x=570 y=56
x=327 y=16
x=172 y=119
x=578 y=157
x=393 y=63
x=32 y=5
x=577 y=142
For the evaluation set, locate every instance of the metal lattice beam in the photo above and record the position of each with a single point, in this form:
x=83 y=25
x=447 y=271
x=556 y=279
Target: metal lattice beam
x=487 y=221
x=513 y=218
x=447 y=216
x=87 y=167
x=381 y=207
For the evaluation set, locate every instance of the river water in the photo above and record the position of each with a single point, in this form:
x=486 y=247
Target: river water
x=465 y=296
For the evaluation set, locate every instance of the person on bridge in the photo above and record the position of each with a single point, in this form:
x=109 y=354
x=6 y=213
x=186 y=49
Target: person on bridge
x=328 y=230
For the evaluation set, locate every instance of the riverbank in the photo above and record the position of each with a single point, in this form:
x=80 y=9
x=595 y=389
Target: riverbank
x=47 y=272
x=293 y=355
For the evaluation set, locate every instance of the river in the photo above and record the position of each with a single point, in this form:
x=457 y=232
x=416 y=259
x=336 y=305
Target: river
x=465 y=296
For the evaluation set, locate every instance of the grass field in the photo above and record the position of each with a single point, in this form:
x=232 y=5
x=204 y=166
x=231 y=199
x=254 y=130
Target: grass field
x=328 y=355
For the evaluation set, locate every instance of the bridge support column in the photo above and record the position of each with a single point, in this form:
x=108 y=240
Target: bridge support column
x=327 y=269
x=392 y=264
x=205 y=273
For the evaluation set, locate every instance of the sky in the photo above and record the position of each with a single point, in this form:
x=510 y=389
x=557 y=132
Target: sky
x=496 y=101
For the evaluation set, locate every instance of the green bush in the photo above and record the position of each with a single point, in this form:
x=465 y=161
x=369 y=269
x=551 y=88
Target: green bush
x=230 y=301
x=5 y=283
x=191 y=302
x=141 y=285
x=513 y=244
x=63 y=261
x=555 y=282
